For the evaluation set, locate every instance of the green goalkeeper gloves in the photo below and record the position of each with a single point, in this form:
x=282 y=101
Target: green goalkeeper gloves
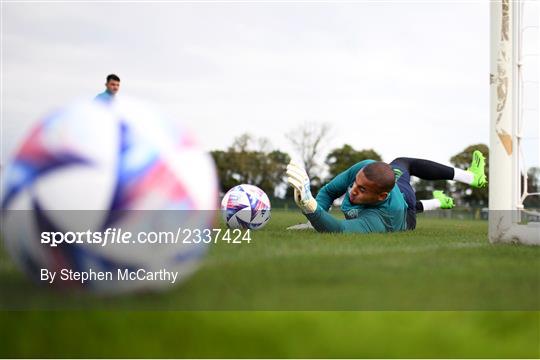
x=299 y=180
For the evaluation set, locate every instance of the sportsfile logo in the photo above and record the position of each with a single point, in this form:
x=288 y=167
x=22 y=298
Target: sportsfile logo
x=109 y=236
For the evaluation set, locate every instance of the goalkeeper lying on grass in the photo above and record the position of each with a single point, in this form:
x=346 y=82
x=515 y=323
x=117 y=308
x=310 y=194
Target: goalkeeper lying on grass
x=379 y=196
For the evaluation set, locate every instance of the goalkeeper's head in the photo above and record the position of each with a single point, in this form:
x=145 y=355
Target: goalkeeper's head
x=372 y=183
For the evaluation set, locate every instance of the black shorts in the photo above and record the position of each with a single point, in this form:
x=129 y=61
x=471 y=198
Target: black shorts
x=404 y=184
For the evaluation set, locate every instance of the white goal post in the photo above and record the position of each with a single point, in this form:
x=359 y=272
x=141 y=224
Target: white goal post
x=509 y=219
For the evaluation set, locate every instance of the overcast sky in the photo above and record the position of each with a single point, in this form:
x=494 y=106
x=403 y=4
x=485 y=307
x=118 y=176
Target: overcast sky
x=404 y=78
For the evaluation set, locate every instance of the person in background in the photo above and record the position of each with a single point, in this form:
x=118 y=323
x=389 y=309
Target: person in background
x=112 y=86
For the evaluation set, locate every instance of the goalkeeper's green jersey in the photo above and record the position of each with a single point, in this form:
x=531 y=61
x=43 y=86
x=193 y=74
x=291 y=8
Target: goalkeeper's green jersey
x=385 y=216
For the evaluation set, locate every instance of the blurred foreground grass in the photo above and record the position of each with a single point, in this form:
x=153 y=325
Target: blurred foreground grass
x=443 y=265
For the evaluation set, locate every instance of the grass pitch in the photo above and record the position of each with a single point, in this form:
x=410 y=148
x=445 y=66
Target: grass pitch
x=445 y=277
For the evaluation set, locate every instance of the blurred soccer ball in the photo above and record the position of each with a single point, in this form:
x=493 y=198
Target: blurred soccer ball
x=111 y=159
x=245 y=207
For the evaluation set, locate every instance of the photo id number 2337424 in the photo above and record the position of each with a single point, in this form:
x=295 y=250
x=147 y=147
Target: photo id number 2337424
x=207 y=236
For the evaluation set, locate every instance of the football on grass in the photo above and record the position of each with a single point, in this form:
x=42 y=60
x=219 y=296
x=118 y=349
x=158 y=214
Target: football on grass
x=245 y=207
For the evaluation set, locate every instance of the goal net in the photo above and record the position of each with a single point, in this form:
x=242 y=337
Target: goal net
x=514 y=179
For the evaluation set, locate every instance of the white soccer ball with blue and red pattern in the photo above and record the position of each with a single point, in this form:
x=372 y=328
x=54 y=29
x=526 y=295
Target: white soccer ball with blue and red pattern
x=95 y=166
x=245 y=207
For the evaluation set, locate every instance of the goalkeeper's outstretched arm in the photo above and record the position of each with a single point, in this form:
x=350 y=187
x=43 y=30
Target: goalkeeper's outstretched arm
x=333 y=190
x=322 y=221
x=317 y=212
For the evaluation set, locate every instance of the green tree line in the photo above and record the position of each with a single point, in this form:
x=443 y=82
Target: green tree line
x=252 y=160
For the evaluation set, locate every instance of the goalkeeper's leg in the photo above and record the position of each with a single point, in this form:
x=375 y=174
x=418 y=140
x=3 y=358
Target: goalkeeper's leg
x=439 y=201
x=430 y=170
